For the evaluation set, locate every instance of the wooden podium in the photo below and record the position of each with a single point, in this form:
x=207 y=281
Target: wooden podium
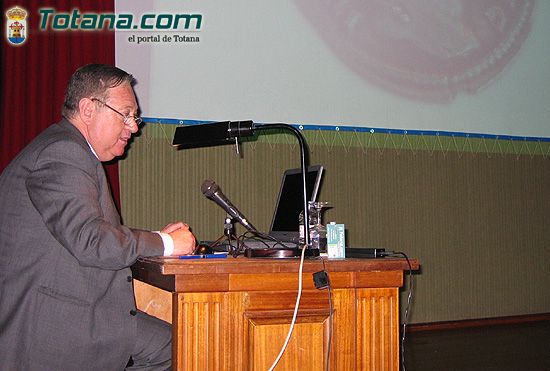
x=234 y=314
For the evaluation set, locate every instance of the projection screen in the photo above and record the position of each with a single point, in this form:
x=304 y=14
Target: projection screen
x=450 y=66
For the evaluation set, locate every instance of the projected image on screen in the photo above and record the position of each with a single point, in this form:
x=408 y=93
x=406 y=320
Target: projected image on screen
x=448 y=66
x=427 y=50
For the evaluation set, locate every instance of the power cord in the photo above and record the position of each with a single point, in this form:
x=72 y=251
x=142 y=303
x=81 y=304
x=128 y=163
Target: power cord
x=330 y=318
x=295 y=310
x=409 y=300
x=322 y=281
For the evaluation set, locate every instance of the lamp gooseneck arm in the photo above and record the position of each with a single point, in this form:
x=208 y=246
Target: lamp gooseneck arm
x=303 y=165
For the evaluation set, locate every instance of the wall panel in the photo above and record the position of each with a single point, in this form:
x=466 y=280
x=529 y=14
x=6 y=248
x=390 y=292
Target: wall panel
x=476 y=220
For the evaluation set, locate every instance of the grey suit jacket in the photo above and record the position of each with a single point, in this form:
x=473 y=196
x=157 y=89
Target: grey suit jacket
x=66 y=298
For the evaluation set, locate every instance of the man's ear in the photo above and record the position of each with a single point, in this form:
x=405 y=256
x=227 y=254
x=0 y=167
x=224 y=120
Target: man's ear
x=86 y=110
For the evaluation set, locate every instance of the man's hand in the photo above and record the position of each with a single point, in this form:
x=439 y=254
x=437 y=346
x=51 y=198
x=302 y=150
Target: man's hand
x=184 y=241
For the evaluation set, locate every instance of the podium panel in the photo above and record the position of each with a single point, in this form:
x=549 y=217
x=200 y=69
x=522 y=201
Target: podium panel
x=235 y=314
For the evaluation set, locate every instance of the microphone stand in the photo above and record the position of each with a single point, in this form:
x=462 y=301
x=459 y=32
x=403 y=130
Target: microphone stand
x=228 y=228
x=229 y=232
x=303 y=161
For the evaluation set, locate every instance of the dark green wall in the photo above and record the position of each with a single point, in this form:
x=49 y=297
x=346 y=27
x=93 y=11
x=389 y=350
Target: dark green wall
x=473 y=211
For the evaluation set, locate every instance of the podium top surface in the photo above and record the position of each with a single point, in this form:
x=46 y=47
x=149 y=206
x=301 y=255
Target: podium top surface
x=234 y=274
x=243 y=265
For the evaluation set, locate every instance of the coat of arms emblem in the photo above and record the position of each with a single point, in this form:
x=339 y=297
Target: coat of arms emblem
x=16 y=26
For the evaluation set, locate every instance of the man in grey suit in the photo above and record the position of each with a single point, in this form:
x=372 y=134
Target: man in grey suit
x=66 y=297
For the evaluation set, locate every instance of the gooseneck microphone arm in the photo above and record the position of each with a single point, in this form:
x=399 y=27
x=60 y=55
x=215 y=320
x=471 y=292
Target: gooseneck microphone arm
x=303 y=165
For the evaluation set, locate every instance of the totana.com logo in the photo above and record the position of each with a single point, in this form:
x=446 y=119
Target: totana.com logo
x=16 y=25
x=51 y=19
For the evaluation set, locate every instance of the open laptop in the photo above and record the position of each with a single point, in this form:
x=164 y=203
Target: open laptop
x=289 y=204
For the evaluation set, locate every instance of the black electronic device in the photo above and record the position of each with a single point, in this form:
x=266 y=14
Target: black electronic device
x=284 y=224
x=365 y=252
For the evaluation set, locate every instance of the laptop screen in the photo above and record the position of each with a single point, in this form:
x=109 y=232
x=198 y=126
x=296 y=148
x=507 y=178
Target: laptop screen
x=284 y=225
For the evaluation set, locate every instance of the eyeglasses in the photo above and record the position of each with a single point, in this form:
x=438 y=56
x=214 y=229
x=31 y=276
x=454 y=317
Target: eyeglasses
x=138 y=120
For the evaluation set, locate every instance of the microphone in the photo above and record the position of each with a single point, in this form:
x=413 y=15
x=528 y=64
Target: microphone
x=212 y=191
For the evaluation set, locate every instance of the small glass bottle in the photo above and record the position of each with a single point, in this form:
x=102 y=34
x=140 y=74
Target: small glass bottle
x=317 y=230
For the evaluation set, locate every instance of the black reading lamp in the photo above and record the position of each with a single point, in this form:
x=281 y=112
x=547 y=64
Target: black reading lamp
x=229 y=132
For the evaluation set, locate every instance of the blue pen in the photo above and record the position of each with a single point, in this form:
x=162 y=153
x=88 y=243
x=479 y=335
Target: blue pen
x=190 y=256
x=215 y=256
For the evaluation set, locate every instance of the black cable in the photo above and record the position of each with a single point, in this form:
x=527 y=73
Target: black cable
x=229 y=241
x=218 y=240
x=409 y=300
x=240 y=245
x=261 y=237
x=330 y=318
